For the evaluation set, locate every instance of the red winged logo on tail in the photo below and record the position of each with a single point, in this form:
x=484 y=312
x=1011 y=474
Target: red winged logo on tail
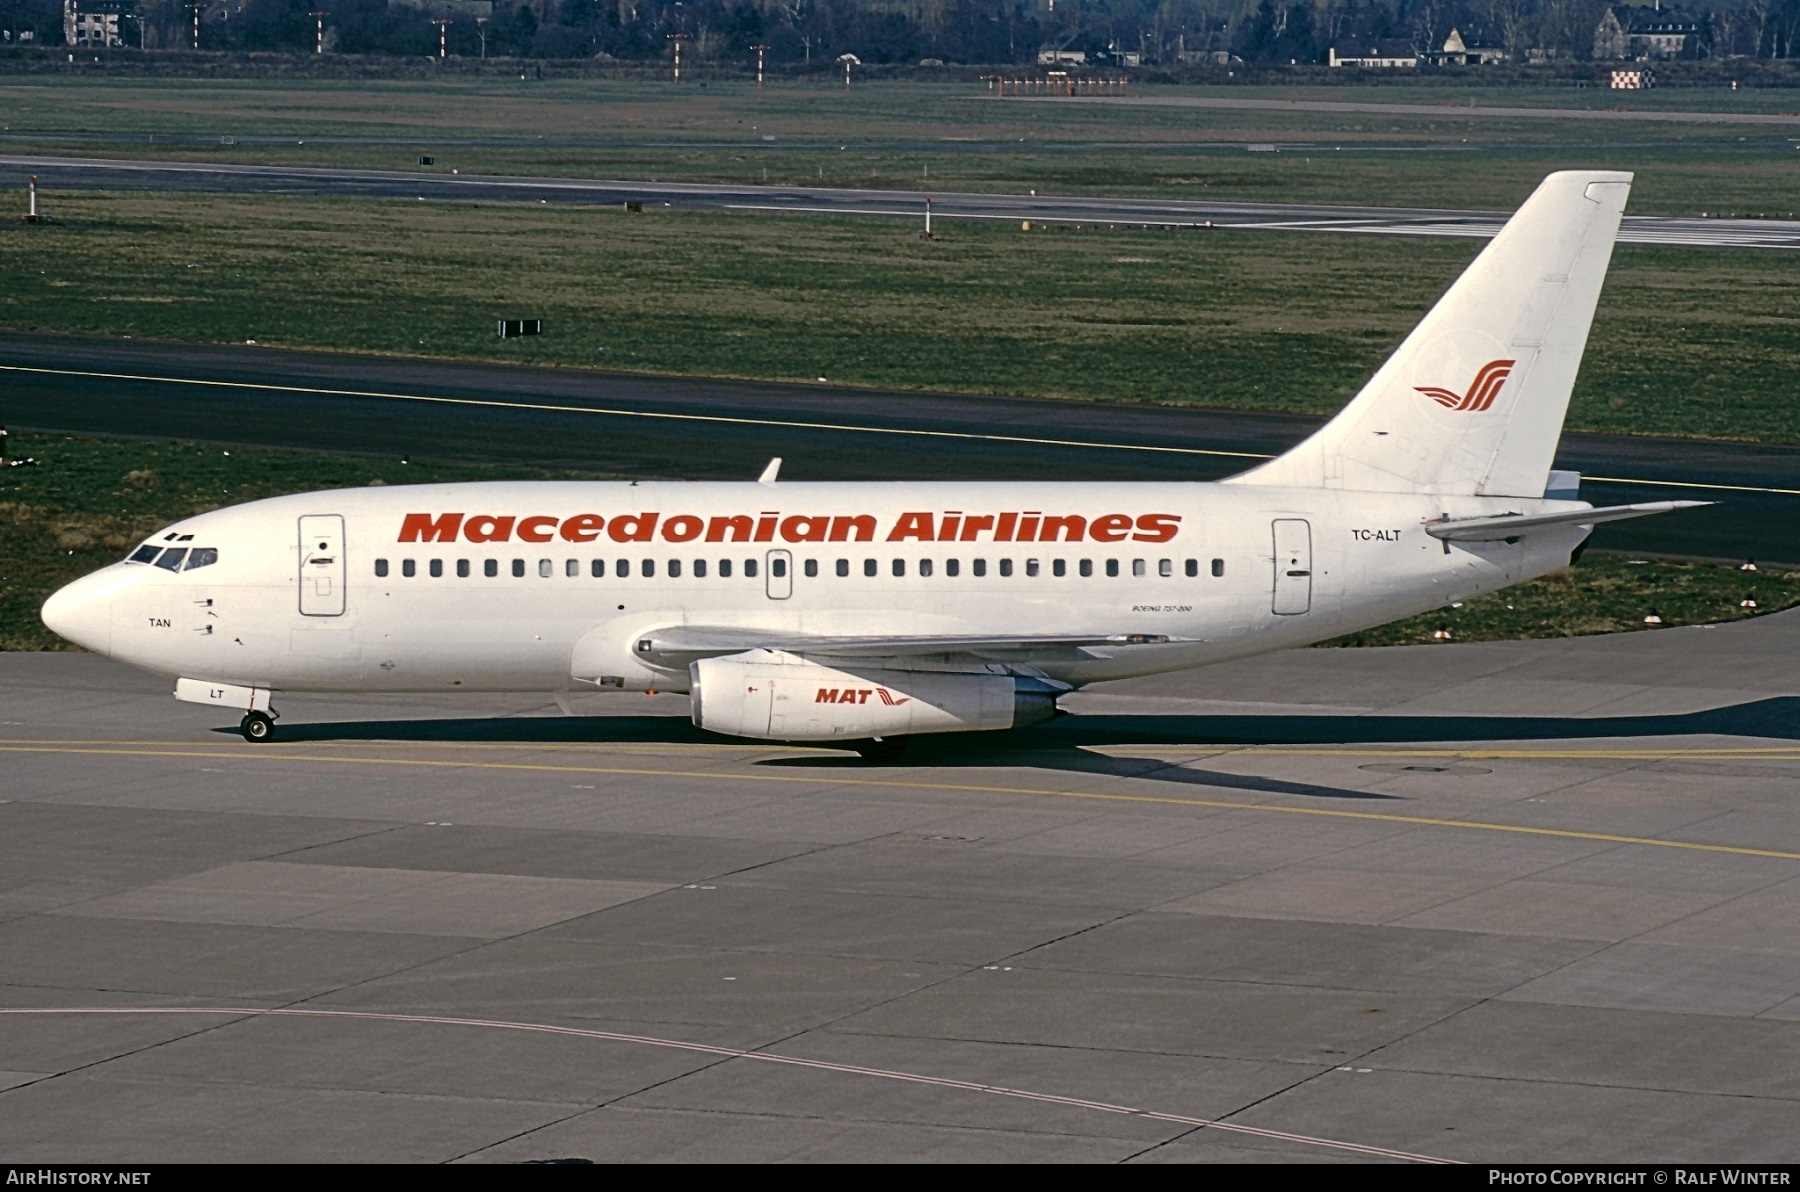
x=1482 y=390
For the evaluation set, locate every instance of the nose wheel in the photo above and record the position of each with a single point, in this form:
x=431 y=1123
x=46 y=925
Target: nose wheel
x=257 y=727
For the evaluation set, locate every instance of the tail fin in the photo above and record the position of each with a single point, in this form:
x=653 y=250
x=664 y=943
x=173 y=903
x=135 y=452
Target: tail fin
x=1473 y=402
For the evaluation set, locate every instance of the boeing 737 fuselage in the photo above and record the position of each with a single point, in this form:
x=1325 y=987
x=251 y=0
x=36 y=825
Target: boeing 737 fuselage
x=870 y=612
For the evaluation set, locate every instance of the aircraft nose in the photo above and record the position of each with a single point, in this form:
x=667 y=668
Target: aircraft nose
x=81 y=612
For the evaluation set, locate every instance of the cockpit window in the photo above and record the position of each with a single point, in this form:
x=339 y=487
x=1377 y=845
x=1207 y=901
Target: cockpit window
x=144 y=553
x=202 y=556
x=170 y=560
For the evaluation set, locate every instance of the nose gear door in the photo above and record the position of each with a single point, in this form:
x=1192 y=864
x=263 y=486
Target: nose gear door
x=322 y=565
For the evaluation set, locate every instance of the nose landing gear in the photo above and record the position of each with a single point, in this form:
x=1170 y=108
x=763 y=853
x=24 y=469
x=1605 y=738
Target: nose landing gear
x=257 y=727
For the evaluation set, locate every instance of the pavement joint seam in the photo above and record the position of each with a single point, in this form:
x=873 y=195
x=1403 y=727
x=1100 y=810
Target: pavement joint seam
x=727 y=1053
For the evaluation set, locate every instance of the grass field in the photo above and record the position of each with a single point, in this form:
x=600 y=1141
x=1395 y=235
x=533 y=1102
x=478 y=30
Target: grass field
x=943 y=136
x=1602 y=593
x=1686 y=343
x=89 y=500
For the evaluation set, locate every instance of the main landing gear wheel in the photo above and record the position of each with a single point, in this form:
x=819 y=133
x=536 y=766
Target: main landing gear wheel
x=257 y=727
x=888 y=749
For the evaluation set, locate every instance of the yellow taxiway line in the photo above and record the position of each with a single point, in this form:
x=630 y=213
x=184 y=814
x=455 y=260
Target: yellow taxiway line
x=1754 y=753
x=266 y=755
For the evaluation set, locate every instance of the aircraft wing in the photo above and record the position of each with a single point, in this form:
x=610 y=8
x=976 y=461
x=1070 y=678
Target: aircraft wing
x=1515 y=525
x=696 y=641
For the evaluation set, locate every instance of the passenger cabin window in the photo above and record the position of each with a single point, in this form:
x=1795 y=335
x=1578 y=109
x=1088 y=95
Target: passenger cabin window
x=462 y=569
x=599 y=569
x=1165 y=567
x=778 y=568
x=518 y=568
x=1138 y=568
x=201 y=556
x=980 y=567
x=490 y=567
x=545 y=568
x=724 y=568
x=1086 y=568
x=899 y=568
x=1218 y=568
x=812 y=568
x=674 y=568
x=144 y=553
x=649 y=568
x=925 y=568
x=572 y=568
x=749 y=568
x=622 y=568
x=380 y=568
x=1112 y=569
x=437 y=569
x=1193 y=568
x=869 y=567
x=843 y=568
x=408 y=568
x=699 y=568
x=952 y=567
x=1059 y=568
x=1005 y=567
x=1031 y=568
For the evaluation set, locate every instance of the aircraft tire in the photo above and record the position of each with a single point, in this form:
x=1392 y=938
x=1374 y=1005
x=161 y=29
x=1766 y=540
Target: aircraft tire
x=257 y=728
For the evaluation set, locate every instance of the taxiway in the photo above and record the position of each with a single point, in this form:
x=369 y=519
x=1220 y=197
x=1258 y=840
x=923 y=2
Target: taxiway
x=1525 y=901
x=69 y=173
x=648 y=426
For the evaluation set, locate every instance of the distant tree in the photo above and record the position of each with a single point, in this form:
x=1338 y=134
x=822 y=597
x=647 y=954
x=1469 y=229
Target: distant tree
x=513 y=30
x=268 y=25
x=1431 y=22
x=1279 y=34
x=1785 y=27
x=1509 y=22
x=1727 y=24
x=744 y=28
x=41 y=18
x=371 y=27
x=559 y=41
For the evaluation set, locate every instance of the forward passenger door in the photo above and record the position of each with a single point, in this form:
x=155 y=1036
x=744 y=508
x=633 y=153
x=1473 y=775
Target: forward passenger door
x=322 y=565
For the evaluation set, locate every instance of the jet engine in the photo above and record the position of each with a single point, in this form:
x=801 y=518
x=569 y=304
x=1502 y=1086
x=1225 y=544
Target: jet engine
x=783 y=697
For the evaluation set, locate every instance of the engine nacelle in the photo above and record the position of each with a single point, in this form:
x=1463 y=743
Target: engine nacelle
x=781 y=697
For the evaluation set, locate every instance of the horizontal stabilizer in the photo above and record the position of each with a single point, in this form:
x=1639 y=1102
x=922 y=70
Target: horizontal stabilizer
x=1515 y=525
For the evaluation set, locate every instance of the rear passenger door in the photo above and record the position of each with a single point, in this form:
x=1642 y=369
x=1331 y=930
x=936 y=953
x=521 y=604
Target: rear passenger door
x=1293 y=567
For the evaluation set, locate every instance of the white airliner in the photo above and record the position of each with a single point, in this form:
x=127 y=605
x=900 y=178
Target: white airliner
x=868 y=612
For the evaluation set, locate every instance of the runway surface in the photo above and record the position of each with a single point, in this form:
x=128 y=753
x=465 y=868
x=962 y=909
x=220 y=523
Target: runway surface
x=1527 y=901
x=63 y=173
x=643 y=426
x=1439 y=111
